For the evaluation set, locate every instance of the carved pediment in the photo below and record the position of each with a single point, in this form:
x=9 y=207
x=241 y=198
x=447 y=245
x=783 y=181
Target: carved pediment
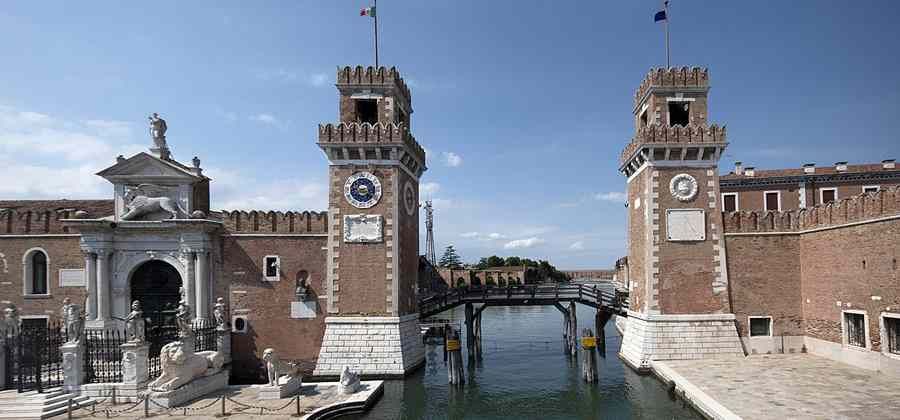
x=144 y=167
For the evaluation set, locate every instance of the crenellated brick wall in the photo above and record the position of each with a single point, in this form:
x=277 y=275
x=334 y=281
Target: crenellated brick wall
x=23 y=217
x=658 y=134
x=290 y=222
x=672 y=77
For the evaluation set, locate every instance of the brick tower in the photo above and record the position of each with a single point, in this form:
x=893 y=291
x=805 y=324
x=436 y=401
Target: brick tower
x=373 y=239
x=676 y=252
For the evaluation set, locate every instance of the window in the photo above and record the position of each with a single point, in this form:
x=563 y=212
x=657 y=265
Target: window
x=871 y=189
x=760 y=326
x=35 y=279
x=730 y=202
x=34 y=322
x=241 y=323
x=855 y=329
x=827 y=195
x=772 y=200
x=679 y=113
x=643 y=118
x=272 y=268
x=367 y=110
x=892 y=331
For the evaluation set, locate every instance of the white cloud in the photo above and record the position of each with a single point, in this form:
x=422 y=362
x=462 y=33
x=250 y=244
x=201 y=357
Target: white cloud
x=429 y=188
x=318 y=79
x=613 y=196
x=62 y=155
x=470 y=235
x=577 y=246
x=493 y=236
x=253 y=194
x=314 y=79
x=264 y=118
x=523 y=243
x=452 y=159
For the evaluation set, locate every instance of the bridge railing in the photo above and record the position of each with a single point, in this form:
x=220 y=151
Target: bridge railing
x=592 y=295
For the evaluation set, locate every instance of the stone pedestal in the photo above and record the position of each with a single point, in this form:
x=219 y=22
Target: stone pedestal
x=193 y=390
x=135 y=357
x=287 y=387
x=2 y=361
x=678 y=337
x=73 y=366
x=223 y=343
x=371 y=346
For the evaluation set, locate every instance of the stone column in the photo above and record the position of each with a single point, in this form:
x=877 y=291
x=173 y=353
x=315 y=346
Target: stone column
x=135 y=374
x=103 y=287
x=73 y=365
x=202 y=285
x=90 y=269
x=2 y=359
x=189 y=283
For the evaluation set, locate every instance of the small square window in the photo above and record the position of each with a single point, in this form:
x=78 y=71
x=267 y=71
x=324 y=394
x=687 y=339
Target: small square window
x=367 y=110
x=892 y=330
x=772 y=201
x=760 y=326
x=679 y=113
x=856 y=329
x=729 y=202
x=871 y=189
x=829 y=195
x=272 y=268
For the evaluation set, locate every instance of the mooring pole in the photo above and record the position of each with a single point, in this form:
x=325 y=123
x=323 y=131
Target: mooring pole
x=589 y=361
x=573 y=330
x=444 y=330
x=470 y=330
x=455 y=368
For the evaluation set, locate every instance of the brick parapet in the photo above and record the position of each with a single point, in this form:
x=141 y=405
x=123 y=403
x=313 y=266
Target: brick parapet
x=45 y=217
x=672 y=77
x=359 y=134
x=275 y=222
x=368 y=76
x=859 y=208
x=657 y=134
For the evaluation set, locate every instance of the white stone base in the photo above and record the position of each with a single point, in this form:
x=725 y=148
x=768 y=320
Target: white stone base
x=193 y=390
x=678 y=337
x=287 y=387
x=124 y=392
x=371 y=346
x=853 y=356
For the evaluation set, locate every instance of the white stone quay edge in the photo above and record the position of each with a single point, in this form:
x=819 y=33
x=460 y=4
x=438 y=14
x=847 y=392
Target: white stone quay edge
x=370 y=319
x=682 y=317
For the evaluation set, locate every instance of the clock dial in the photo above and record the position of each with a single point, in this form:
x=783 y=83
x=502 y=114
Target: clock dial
x=409 y=198
x=683 y=187
x=362 y=190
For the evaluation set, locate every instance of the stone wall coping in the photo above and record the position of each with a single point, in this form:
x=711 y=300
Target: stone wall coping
x=704 y=403
x=681 y=317
x=370 y=319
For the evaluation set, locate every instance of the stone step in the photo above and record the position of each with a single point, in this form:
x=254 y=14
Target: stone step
x=15 y=395
x=36 y=401
x=46 y=411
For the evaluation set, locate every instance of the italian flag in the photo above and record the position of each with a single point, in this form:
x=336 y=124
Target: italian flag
x=367 y=11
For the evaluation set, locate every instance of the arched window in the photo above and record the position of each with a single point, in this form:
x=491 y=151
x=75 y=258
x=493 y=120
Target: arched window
x=37 y=278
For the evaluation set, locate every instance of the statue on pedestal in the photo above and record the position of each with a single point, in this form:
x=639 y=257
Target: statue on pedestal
x=135 y=324
x=73 y=322
x=11 y=322
x=220 y=315
x=183 y=319
x=276 y=368
x=349 y=381
x=302 y=290
x=158 y=131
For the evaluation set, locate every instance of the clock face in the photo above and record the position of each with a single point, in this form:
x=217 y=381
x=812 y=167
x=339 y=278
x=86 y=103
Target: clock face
x=683 y=187
x=409 y=198
x=362 y=190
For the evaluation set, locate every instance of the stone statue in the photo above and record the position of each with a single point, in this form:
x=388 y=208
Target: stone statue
x=302 y=290
x=220 y=315
x=135 y=324
x=158 y=130
x=64 y=313
x=148 y=198
x=349 y=381
x=11 y=321
x=183 y=319
x=277 y=368
x=181 y=365
x=74 y=322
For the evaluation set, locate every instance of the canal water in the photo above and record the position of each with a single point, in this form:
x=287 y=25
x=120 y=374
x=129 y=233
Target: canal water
x=524 y=374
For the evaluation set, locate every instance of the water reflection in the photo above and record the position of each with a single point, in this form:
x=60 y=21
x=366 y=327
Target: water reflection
x=524 y=374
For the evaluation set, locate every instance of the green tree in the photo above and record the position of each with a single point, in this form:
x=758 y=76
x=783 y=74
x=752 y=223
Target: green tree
x=513 y=262
x=450 y=259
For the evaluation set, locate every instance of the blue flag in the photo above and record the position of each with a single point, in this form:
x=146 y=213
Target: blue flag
x=659 y=16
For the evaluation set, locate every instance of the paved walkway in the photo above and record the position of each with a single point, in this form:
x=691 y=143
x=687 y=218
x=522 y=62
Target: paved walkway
x=796 y=386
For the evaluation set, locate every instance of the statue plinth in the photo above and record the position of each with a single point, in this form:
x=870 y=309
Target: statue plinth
x=135 y=357
x=73 y=365
x=161 y=152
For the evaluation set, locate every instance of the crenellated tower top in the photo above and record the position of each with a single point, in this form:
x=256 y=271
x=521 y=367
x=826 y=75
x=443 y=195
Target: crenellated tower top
x=372 y=95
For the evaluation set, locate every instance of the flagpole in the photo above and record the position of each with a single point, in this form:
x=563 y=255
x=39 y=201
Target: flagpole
x=666 y=9
x=375 y=7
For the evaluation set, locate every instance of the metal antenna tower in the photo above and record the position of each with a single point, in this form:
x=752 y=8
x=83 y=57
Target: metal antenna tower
x=429 y=227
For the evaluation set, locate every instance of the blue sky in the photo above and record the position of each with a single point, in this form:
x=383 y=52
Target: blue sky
x=523 y=106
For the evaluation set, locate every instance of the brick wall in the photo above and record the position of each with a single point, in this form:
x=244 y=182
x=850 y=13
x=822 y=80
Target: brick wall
x=639 y=214
x=62 y=252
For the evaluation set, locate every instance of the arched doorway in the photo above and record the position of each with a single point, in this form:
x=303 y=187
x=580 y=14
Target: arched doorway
x=156 y=284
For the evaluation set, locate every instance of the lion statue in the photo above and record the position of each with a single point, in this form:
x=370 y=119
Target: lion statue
x=277 y=368
x=147 y=198
x=180 y=366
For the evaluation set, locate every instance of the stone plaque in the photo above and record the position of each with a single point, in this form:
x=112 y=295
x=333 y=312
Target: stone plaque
x=71 y=277
x=685 y=225
x=362 y=228
x=305 y=309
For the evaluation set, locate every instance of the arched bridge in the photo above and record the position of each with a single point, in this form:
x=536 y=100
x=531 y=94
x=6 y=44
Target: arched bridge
x=613 y=302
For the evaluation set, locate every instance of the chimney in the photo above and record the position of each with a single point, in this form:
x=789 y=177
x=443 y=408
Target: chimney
x=840 y=166
x=749 y=171
x=888 y=164
x=809 y=168
x=737 y=167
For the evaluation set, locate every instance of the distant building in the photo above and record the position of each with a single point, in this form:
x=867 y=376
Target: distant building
x=590 y=275
x=497 y=276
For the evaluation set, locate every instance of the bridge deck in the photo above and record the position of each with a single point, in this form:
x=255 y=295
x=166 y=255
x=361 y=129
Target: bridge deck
x=549 y=294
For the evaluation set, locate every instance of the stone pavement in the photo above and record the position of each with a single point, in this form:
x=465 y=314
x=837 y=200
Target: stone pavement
x=315 y=398
x=788 y=386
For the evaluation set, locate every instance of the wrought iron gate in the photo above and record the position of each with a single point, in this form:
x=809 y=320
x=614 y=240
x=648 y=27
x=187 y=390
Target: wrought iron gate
x=33 y=358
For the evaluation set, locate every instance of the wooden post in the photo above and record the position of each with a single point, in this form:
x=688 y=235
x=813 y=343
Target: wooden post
x=589 y=361
x=147 y=406
x=455 y=368
x=470 y=330
x=573 y=330
x=446 y=327
x=600 y=321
